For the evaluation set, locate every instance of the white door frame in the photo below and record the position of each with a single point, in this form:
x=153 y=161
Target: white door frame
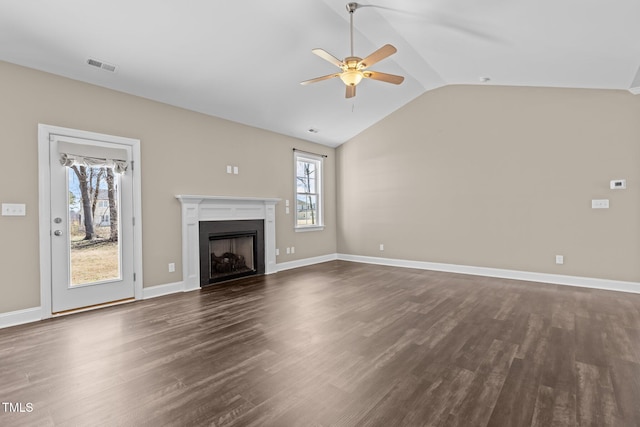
x=44 y=202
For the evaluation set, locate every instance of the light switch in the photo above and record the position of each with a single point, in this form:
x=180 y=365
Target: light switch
x=618 y=184
x=600 y=204
x=228 y=168
x=235 y=170
x=14 y=209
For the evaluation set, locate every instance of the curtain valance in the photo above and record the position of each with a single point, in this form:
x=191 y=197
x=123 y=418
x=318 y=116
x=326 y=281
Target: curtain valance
x=93 y=156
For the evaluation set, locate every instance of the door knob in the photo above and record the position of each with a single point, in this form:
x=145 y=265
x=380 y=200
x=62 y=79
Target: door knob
x=58 y=232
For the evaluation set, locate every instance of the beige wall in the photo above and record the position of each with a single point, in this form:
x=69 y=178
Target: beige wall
x=473 y=175
x=498 y=177
x=182 y=153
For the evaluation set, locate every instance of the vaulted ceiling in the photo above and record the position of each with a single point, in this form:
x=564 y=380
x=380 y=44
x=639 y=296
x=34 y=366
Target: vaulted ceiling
x=243 y=60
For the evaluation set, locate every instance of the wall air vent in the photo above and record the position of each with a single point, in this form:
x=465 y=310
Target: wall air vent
x=102 y=65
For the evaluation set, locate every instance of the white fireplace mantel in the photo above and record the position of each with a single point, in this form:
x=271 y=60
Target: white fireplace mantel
x=223 y=208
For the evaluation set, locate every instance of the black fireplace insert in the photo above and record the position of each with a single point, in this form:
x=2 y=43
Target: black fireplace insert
x=230 y=250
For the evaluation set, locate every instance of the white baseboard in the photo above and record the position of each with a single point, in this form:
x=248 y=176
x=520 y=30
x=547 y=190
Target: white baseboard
x=19 y=317
x=172 y=288
x=34 y=314
x=305 y=262
x=556 y=279
x=160 y=290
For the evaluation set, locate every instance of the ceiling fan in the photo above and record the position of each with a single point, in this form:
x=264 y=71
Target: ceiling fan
x=354 y=68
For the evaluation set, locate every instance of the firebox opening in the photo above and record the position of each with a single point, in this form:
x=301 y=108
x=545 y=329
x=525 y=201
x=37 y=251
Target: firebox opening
x=232 y=256
x=230 y=250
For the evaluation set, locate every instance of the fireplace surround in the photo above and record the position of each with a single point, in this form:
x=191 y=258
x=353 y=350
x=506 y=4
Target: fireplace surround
x=204 y=209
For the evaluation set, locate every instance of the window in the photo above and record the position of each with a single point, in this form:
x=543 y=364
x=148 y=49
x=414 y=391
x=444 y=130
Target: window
x=308 y=169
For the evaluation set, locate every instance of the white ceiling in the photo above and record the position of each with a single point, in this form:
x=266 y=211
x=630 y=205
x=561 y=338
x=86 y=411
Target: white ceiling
x=243 y=60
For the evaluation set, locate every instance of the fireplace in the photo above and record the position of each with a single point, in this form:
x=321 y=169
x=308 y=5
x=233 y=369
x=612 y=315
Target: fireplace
x=230 y=250
x=197 y=210
x=231 y=256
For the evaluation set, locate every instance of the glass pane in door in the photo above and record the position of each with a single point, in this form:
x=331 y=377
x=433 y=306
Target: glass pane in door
x=94 y=209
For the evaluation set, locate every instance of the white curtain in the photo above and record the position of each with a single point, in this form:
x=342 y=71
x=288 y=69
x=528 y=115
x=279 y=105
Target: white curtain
x=77 y=153
x=119 y=166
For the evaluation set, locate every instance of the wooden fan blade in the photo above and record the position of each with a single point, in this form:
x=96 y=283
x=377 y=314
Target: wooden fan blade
x=319 y=79
x=384 y=77
x=351 y=92
x=327 y=57
x=378 y=55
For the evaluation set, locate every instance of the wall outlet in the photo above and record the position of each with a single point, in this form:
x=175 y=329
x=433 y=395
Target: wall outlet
x=14 y=209
x=235 y=170
x=559 y=259
x=277 y=251
x=172 y=267
x=293 y=249
x=286 y=210
x=229 y=169
x=381 y=246
x=288 y=251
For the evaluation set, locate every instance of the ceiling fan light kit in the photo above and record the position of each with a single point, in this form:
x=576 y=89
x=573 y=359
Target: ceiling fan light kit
x=353 y=66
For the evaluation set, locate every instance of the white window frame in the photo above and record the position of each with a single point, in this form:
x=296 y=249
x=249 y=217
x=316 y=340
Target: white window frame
x=319 y=161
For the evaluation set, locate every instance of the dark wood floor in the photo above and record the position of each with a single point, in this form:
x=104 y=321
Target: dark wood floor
x=340 y=344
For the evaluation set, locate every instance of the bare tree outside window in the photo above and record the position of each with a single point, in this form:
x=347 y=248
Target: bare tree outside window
x=93 y=224
x=308 y=191
x=83 y=183
x=113 y=208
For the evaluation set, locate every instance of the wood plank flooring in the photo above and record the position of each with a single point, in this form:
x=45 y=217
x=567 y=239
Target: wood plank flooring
x=335 y=344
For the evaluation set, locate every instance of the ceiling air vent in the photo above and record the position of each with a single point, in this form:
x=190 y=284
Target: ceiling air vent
x=100 y=64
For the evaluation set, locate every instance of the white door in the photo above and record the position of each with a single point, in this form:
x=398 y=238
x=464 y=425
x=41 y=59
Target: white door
x=92 y=256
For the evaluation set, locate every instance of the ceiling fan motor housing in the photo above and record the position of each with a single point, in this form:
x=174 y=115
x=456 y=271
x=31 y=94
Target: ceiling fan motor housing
x=352 y=63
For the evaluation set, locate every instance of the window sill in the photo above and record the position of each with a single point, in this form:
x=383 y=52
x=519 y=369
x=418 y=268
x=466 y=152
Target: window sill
x=309 y=228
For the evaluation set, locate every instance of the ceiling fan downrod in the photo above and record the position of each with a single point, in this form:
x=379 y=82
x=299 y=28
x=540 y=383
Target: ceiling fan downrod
x=351 y=8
